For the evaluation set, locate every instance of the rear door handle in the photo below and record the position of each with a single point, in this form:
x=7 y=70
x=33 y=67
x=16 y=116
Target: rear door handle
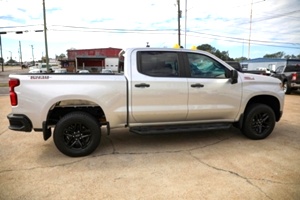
x=197 y=85
x=142 y=85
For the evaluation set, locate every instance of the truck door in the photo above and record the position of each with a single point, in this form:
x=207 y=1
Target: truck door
x=211 y=94
x=279 y=73
x=158 y=94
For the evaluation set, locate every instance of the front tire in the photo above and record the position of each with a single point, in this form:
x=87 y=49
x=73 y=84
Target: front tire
x=286 y=88
x=259 y=121
x=77 y=134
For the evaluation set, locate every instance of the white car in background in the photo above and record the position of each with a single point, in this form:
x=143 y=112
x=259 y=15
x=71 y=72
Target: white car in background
x=109 y=71
x=83 y=71
x=61 y=70
x=37 y=71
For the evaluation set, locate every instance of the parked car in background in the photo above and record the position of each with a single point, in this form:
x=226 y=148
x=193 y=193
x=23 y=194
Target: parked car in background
x=289 y=74
x=43 y=67
x=83 y=71
x=24 y=66
x=109 y=71
x=61 y=70
x=236 y=65
x=37 y=71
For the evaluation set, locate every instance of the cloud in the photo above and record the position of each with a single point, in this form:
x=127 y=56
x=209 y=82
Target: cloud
x=99 y=24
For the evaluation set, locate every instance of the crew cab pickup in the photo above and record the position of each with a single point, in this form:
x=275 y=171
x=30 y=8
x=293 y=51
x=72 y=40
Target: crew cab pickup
x=289 y=74
x=161 y=90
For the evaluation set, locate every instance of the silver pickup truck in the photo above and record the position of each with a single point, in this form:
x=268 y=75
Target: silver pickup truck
x=161 y=90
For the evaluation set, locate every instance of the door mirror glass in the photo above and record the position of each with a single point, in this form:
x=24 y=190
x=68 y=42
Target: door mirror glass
x=234 y=76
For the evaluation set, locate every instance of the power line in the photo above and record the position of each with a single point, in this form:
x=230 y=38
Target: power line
x=275 y=16
x=240 y=40
x=166 y=31
x=21 y=26
x=272 y=17
x=110 y=29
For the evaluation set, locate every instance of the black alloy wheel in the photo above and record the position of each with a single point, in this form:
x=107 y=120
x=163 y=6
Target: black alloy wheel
x=77 y=134
x=259 y=121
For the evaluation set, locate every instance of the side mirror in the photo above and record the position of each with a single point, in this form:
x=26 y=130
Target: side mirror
x=234 y=76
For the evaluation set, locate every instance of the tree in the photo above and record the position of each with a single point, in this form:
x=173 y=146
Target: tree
x=224 y=55
x=279 y=54
x=1 y=60
x=11 y=62
x=240 y=59
x=60 y=57
x=290 y=56
x=207 y=47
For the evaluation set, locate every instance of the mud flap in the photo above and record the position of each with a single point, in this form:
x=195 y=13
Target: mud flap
x=46 y=131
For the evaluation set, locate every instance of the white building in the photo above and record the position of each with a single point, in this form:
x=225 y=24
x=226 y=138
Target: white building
x=112 y=64
x=262 y=63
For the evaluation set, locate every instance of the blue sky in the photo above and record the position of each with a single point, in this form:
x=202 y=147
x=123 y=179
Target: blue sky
x=225 y=25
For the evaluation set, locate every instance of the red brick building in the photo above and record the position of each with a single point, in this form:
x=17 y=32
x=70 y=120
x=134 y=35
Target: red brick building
x=93 y=59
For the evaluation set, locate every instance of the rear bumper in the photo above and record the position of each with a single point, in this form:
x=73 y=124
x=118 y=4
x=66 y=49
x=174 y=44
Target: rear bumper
x=295 y=85
x=19 y=122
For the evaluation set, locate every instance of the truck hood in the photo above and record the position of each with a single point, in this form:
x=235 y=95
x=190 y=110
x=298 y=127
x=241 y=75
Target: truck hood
x=247 y=77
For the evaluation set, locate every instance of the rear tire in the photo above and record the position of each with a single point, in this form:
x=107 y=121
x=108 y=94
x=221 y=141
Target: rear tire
x=259 y=122
x=77 y=134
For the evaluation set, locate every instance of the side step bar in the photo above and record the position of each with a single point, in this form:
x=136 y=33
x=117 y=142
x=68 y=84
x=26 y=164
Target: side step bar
x=146 y=130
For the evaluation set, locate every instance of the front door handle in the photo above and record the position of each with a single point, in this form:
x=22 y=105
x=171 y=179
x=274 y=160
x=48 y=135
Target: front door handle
x=142 y=85
x=197 y=85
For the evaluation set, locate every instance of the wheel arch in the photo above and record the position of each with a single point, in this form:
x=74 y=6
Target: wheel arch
x=269 y=100
x=61 y=108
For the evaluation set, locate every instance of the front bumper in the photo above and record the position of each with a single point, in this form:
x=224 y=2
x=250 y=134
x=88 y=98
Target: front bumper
x=19 y=122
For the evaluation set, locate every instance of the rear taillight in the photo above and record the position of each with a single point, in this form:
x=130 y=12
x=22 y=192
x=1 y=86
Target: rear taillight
x=294 y=76
x=13 y=95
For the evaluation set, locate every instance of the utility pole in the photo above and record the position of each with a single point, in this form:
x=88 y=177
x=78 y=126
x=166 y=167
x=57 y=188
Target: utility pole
x=185 y=24
x=250 y=30
x=1 y=54
x=20 y=53
x=45 y=34
x=32 y=55
x=179 y=16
